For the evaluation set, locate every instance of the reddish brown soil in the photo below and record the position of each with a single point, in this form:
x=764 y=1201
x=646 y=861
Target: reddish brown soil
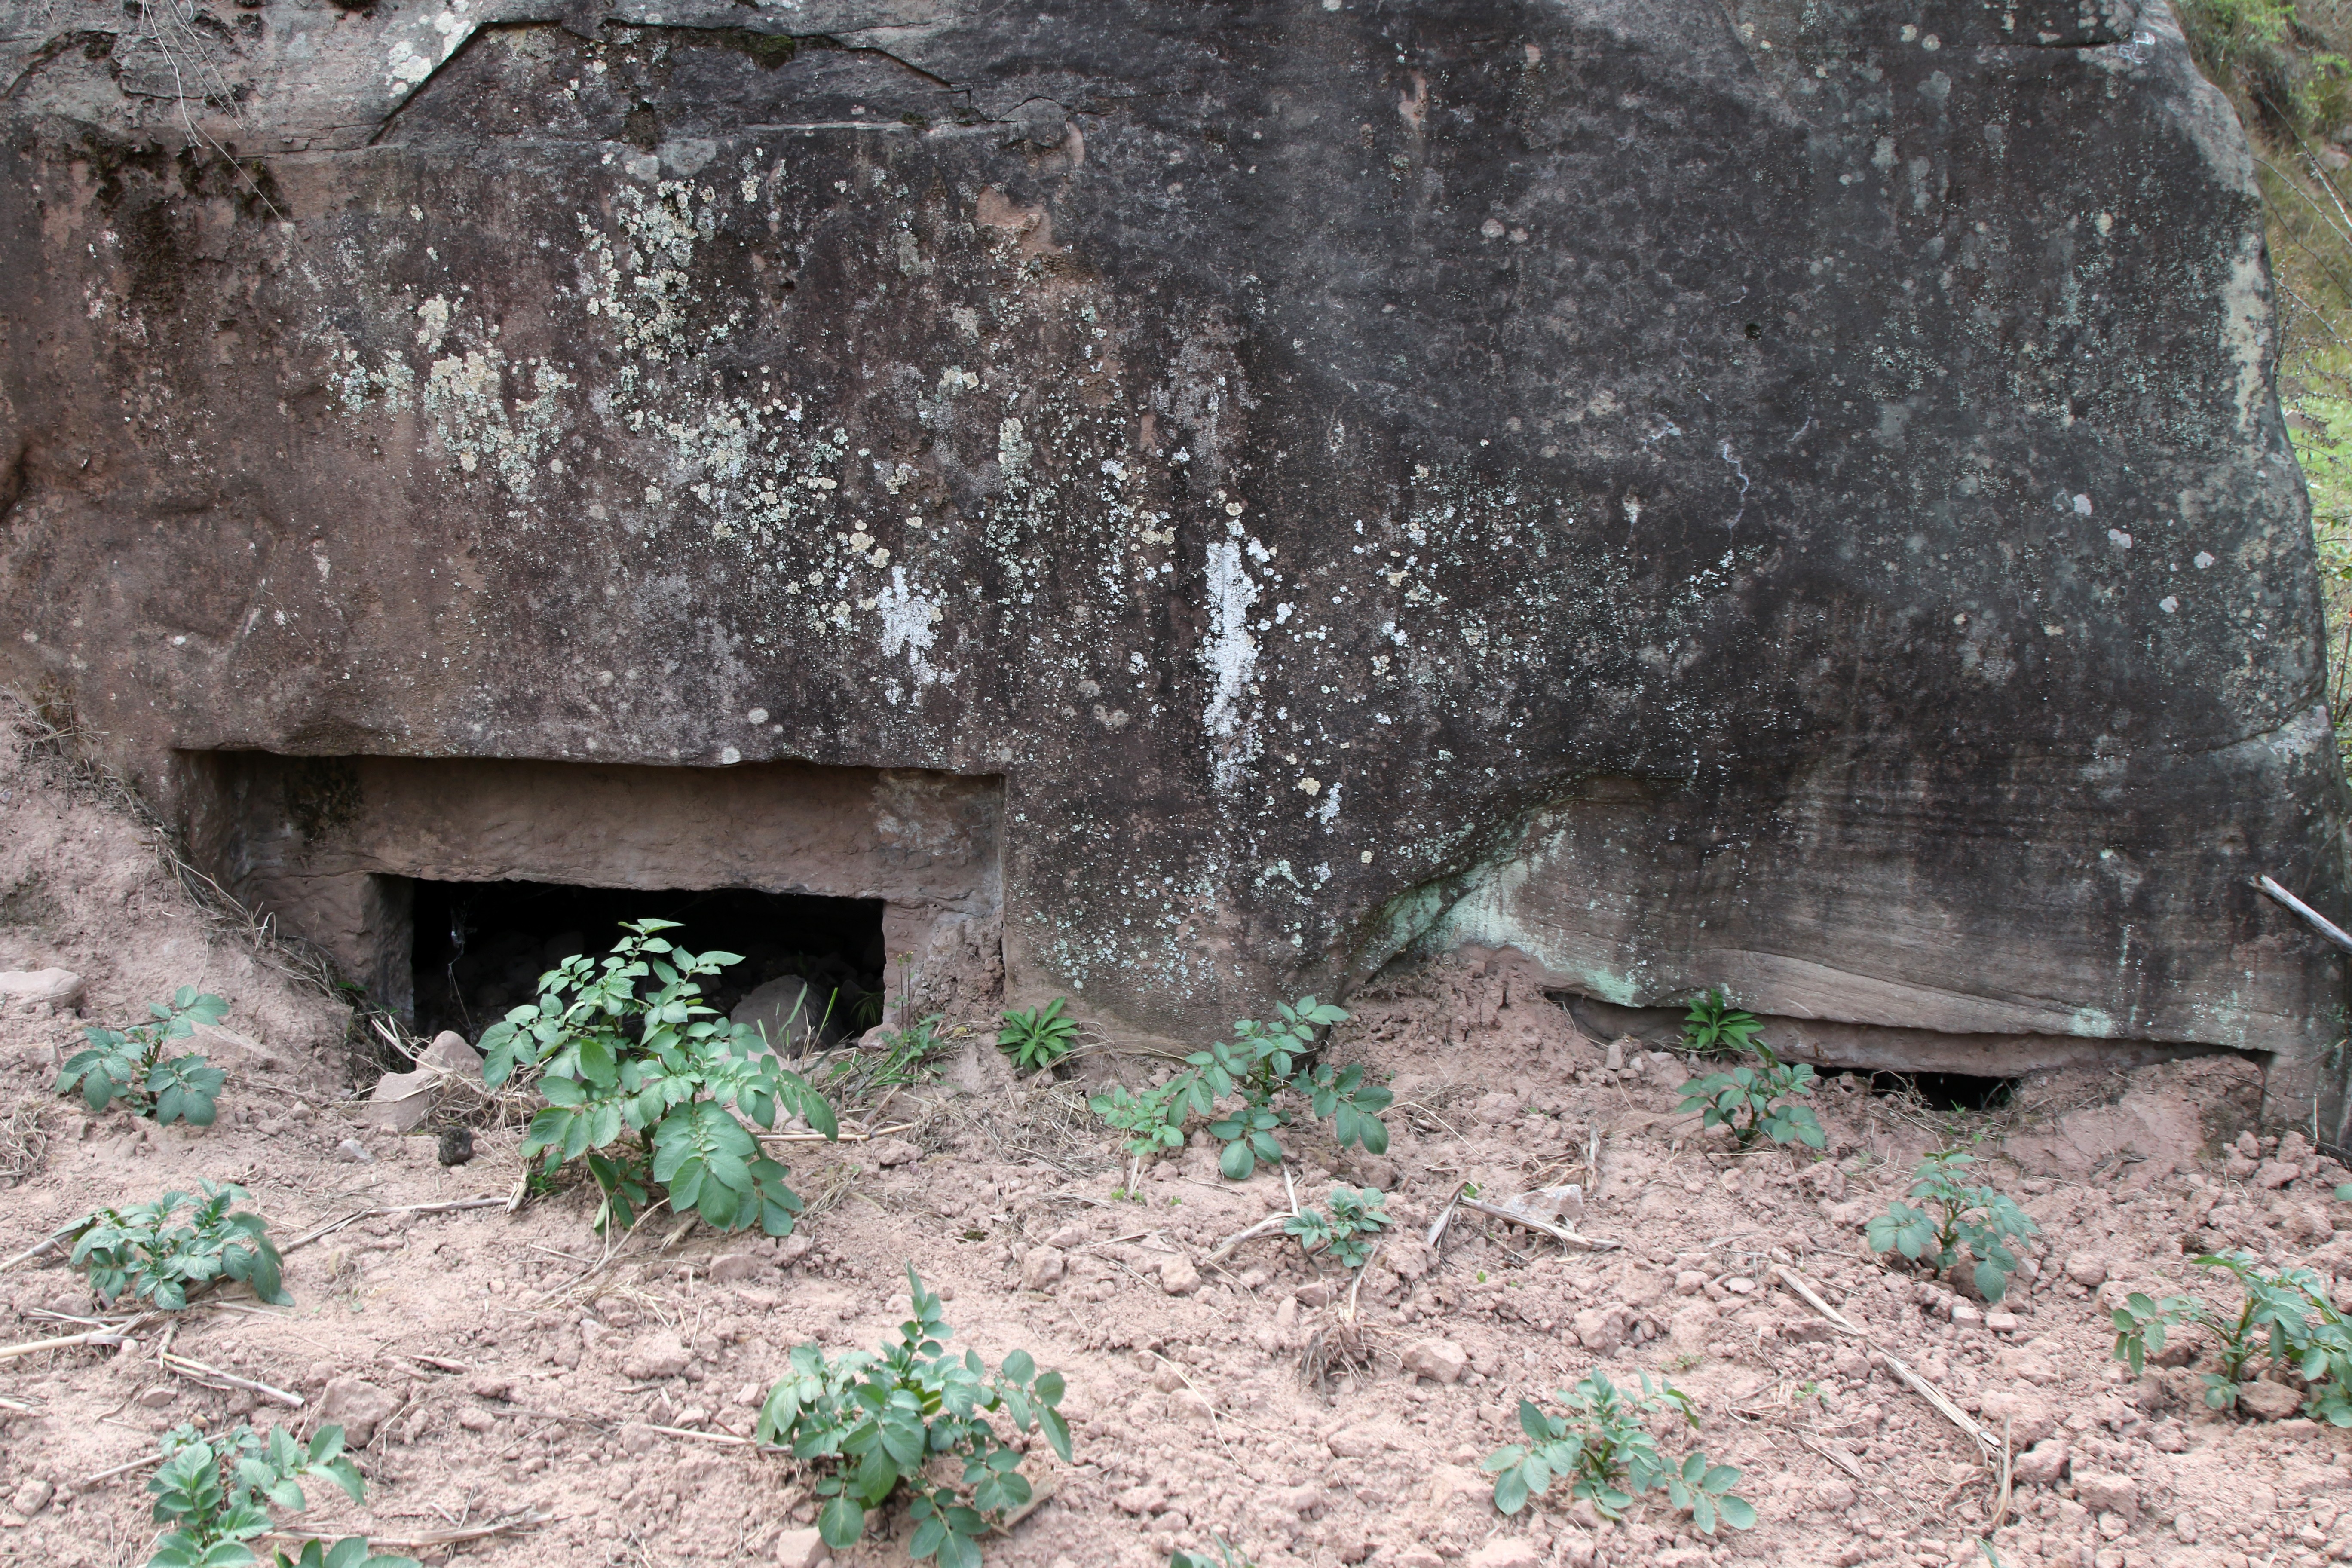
x=550 y=1368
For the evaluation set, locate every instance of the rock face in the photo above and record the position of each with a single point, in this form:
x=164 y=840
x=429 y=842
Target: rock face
x=1772 y=495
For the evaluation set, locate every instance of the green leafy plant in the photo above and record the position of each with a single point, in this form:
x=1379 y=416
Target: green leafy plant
x=1948 y=1218
x=2287 y=1312
x=1603 y=1449
x=875 y=1426
x=134 y=1065
x=156 y=1253
x=1713 y=1025
x=1752 y=1101
x=1038 y=1039
x=1351 y=1216
x=214 y=1493
x=1226 y=1557
x=1260 y=1063
x=649 y=1087
x=2141 y=1324
x=904 y=1058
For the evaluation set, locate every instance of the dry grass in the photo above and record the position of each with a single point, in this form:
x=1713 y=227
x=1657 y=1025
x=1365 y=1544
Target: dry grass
x=23 y=1141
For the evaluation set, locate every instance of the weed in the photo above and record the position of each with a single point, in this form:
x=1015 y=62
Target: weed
x=626 y=1048
x=1038 y=1039
x=1604 y=1448
x=150 y=1251
x=131 y=1065
x=1351 y=1216
x=875 y=1424
x=903 y=1060
x=1954 y=1218
x=215 y=1493
x=1713 y=1025
x=1749 y=1102
x=1258 y=1064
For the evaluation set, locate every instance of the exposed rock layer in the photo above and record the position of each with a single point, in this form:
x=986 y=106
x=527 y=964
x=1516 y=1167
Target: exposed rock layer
x=1790 y=499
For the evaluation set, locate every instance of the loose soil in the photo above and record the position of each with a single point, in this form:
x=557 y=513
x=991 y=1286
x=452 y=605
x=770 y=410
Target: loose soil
x=501 y=1366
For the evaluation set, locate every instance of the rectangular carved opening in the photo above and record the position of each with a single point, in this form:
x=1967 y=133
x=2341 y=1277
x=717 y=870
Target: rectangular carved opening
x=869 y=887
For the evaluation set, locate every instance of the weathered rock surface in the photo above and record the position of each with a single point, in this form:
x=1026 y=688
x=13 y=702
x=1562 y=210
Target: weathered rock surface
x=1763 y=495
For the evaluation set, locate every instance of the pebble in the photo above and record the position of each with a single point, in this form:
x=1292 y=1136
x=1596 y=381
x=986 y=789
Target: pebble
x=655 y=1355
x=1043 y=1265
x=353 y=1152
x=2087 y=1270
x=2268 y=1401
x=1440 y=1360
x=2102 y=1491
x=32 y=1497
x=1178 y=1276
x=2043 y=1464
x=358 y=1406
x=800 y=1548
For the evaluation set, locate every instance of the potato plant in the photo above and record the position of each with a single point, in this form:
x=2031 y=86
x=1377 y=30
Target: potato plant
x=893 y=1424
x=156 y=1253
x=649 y=1088
x=1756 y=1101
x=2287 y=1313
x=1261 y=1064
x=138 y=1066
x=1602 y=1448
x=216 y=1492
x=1949 y=1219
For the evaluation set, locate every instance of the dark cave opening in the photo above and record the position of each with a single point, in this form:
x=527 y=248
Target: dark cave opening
x=811 y=971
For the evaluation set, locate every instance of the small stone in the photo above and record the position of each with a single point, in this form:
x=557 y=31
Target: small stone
x=153 y=1398
x=734 y=1267
x=1834 y=1495
x=401 y=1100
x=1440 y=1360
x=1191 y=1404
x=2087 y=1270
x=889 y=1152
x=54 y=988
x=1359 y=1442
x=2272 y=1174
x=450 y=1053
x=1506 y=1553
x=1966 y=1315
x=352 y=1151
x=357 y=1406
x=2000 y=1322
x=2102 y=1491
x=638 y=1437
x=1600 y=1331
x=1043 y=1265
x=1689 y=1282
x=2043 y=1464
x=2026 y=1417
x=32 y=1497
x=1141 y=1501
x=456 y=1145
x=489 y=1385
x=800 y=1548
x=2267 y=1401
x=660 y=1354
x=1070 y=1235
x=1303 y=1501
x=1178 y=1276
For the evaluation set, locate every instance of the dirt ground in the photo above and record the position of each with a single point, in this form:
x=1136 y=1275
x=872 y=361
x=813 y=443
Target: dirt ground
x=497 y=1366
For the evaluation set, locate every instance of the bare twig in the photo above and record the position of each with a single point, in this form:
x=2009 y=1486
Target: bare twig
x=1986 y=1447
x=1560 y=1233
x=333 y=1226
x=140 y=1463
x=2319 y=922
x=199 y=1372
x=437 y=1537
x=1271 y=1224
x=107 y=1336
